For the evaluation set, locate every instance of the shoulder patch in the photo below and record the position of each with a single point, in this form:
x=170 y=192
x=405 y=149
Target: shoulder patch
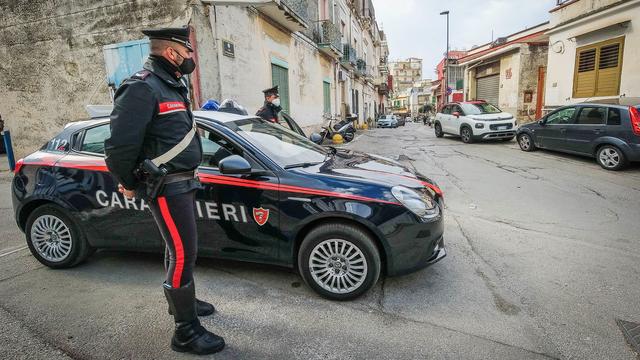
x=142 y=74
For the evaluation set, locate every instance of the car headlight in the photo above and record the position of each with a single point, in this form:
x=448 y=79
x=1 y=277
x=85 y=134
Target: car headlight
x=423 y=206
x=479 y=126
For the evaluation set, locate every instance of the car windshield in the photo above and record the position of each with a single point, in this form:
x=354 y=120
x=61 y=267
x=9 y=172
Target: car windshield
x=479 y=109
x=282 y=145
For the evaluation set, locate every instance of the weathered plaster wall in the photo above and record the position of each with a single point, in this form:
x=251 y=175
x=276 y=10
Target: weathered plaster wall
x=51 y=61
x=509 y=83
x=532 y=57
x=257 y=41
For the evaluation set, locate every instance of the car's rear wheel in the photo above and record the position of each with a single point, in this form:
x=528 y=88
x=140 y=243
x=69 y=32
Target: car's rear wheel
x=339 y=261
x=54 y=238
x=466 y=134
x=526 y=142
x=611 y=158
x=438 y=130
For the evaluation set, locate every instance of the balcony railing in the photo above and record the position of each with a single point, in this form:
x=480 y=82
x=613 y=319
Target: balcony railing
x=348 y=55
x=291 y=14
x=328 y=38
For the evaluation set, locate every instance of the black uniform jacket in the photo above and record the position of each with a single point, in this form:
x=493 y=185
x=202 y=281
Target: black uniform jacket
x=151 y=114
x=269 y=112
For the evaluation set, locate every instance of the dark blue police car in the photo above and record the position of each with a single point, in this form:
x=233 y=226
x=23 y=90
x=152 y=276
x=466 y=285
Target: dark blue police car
x=269 y=195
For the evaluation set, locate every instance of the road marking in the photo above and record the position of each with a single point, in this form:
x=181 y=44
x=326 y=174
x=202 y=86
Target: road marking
x=14 y=251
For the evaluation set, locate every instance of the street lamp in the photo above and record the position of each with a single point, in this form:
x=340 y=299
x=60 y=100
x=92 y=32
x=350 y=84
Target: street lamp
x=446 y=63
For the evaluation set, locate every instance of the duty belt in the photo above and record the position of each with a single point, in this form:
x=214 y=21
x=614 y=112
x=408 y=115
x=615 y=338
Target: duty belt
x=181 y=176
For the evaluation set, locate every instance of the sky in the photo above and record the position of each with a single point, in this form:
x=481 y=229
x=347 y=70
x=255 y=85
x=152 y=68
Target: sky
x=415 y=28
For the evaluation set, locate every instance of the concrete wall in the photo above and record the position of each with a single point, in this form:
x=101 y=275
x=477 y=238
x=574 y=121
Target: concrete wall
x=509 y=85
x=596 y=28
x=51 y=61
x=532 y=57
x=258 y=42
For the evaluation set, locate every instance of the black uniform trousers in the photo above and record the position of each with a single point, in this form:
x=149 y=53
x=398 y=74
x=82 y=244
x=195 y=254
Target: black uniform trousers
x=175 y=216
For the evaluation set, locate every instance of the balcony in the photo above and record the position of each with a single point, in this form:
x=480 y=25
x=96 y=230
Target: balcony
x=328 y=38
x=383 y=88
x=361 y=68
x=291 y=14
x=349 y=57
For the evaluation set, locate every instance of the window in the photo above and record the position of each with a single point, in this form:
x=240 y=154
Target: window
x=561 y=117
x=598 y=68
x=458 y=109
x=94 y=138
x=614 y=117
x=591 y=116
x=214 y=148
x=326 y=92
x=280 y=77
x=446 y=110
x=480 y=108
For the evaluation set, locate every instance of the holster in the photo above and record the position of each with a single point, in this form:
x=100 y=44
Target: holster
x=152 y=177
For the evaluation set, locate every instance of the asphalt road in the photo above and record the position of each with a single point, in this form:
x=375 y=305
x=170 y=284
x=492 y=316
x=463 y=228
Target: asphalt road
x=544 y=256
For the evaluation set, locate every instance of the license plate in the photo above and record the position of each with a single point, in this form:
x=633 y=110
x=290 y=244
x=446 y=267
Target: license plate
x=502 y=127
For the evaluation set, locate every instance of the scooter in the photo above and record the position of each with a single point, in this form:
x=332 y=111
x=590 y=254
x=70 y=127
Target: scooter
x=345 y=128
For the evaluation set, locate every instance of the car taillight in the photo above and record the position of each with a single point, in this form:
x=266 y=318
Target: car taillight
x=634 y=114
x=18 y=166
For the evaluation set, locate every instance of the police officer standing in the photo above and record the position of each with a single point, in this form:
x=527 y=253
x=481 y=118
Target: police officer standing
x=151 y=119
x=271 y=106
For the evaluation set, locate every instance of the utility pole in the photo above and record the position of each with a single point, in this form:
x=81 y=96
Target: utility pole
x=445 y=96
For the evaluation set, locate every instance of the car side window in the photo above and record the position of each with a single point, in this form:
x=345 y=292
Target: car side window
x=94 y=138
x=614 y=117
x=561 y=117
x=446 y=110
x=215 y=148
x=457 y=109
x=591 y=115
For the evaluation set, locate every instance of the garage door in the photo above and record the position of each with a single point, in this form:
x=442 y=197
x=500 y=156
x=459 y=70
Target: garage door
x=488 y=89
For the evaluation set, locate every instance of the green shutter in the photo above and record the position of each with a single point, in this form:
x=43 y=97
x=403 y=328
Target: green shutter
x=280 y=77
x=326 y=91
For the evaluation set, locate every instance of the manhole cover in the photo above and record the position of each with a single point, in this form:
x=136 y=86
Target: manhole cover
x=631 y=332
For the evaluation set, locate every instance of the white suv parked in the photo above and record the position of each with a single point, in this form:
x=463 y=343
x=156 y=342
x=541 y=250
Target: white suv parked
x=473 y=121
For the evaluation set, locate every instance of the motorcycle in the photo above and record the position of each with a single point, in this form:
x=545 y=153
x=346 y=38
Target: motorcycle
x=345 y=128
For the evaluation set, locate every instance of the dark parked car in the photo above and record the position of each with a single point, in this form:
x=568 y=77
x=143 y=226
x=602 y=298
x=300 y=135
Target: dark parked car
x=608 y=130
x=402 y=121
x=341 y=218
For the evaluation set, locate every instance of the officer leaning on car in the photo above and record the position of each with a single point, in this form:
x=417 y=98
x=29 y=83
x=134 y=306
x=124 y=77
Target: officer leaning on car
x=271 y=106
x=153 y=152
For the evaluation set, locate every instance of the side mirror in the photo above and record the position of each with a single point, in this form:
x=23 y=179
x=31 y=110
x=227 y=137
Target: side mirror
x=456 y=114
x=541 y=122
x=234 y=165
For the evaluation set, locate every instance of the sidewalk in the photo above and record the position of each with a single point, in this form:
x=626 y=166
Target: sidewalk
x=5 y=173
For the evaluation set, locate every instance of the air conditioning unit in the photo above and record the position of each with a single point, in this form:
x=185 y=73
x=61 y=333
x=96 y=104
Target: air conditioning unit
x=342 y=76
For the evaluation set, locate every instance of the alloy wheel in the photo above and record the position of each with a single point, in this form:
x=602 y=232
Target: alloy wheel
x=525 y=142
x=338 y=266
x=51 y=238
x=609 y=157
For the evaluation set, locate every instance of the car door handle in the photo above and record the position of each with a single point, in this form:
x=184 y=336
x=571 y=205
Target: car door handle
x=597 y=131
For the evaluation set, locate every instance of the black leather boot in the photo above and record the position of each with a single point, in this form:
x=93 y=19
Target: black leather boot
x=203 y=308
x=189 y=335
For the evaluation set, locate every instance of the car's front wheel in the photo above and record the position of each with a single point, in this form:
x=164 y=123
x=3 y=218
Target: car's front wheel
x=339 y=261
x=611 y=158
x=54 y=239
x=526 y=142
x=466 y=134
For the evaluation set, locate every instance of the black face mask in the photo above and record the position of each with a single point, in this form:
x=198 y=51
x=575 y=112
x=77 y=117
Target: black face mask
x=187 y=66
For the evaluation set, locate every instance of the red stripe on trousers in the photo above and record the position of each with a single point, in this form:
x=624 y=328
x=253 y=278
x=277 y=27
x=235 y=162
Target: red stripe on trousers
x=177 y=241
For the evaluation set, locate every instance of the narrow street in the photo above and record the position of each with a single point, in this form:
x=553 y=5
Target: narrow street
x=542 y=259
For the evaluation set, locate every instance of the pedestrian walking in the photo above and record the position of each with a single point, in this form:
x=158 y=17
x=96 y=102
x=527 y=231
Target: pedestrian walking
x=153 y=152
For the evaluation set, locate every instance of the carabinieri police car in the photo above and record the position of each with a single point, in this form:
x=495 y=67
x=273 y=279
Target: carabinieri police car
x=269 y=195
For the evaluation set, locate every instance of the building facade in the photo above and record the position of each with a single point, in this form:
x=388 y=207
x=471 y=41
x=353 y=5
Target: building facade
x=509 y=72
x=327 y=56
x=593 y=50
x=405 y=73
x=454 y=73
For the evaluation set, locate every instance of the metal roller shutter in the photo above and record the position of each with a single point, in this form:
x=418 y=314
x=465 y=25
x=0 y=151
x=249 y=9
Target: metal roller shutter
x=488 y=89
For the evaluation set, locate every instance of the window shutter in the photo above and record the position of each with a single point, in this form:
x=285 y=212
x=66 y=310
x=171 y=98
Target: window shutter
x=585 y=75
x=609 y=68
x=280 y=77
